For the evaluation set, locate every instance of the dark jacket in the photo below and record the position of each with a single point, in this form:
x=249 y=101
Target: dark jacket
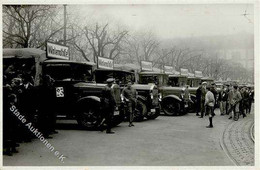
x=223 y=96
x=198 y=94
x=107 y=97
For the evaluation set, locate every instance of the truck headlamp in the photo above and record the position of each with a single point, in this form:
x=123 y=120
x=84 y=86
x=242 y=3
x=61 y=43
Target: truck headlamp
x=151 y=95
x=160 y=96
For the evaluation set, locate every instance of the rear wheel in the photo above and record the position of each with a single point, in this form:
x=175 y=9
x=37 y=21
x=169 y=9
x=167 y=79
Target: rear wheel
x=171 y=107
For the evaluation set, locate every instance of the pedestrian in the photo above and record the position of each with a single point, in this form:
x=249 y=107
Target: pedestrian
x=234 y=102
x=209 y=104
x=203 y=94
x=108 y=103
x=27 y=104
x=117 y=92
x=198 y=98
x=242 y=103
x=47 y=118
x=222 y=100
x=251 y=99
x=129 y=95
x=215 y=93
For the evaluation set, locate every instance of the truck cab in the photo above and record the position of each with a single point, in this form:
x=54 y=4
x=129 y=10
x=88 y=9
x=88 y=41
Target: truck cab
x=147 y=94
x=77 y=95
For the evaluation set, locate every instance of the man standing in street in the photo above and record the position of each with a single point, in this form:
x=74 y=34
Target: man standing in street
x=251 y=99
x=198 y=98
x=108 y=103
x=209 y=104
x=222 y=101
x=129 y=95
x=203 y=94
x=236 y=98
x=215 y=93
x=243 y=102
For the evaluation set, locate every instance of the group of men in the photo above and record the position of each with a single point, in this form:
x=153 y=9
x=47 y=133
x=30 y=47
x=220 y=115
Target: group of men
x=19 y=92
x=111 y=98
x=232 y=100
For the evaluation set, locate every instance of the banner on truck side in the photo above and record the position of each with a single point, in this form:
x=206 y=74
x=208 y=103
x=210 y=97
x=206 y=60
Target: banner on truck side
x=168 y=70
x=146 y=66
x=198 y=74
x=105 y=63
x=57 y=51
x=184 y=72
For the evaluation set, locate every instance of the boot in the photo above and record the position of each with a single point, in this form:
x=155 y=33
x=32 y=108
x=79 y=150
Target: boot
x=210 y=123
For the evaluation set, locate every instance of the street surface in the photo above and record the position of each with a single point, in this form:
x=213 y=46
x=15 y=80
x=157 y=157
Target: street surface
x=166 y=141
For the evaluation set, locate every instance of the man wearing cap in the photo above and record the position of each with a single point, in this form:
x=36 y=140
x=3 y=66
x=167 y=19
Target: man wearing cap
x=108 y=103
x=203 y=94
x=236 y=98
x=129 y=95
x=209 y=104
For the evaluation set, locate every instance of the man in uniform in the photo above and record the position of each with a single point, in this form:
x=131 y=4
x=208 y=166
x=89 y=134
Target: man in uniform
x=209 y=104
x=203 y=94
x=108 y=103
x=198 y=98
x=236 y=98
x=129 y=95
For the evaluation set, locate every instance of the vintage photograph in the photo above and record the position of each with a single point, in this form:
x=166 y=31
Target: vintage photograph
x=128 y=84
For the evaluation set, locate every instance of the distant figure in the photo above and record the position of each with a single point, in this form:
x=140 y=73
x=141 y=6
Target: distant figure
x=243 y=101
x=198 y=98
x=234 y=102
x=203 y=95
x=222 y=101
x=251 y=99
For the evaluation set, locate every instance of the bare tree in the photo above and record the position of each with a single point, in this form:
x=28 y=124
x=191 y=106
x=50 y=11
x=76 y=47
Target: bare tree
x=103 y=43
x=31 y=25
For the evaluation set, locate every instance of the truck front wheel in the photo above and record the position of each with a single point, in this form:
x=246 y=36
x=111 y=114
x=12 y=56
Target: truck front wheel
x=171 y=107
x=88 y=116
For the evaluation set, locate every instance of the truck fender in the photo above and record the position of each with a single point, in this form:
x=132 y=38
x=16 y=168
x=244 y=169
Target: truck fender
x=173 y=97
x=192 y=98
x=92 y=98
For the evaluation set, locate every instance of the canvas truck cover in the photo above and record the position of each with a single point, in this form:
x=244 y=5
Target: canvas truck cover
x=38 y=55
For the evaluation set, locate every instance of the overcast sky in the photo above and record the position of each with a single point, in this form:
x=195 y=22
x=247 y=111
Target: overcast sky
x=171 y=21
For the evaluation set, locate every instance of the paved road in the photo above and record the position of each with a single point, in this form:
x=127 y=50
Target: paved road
x=166 y=141
x=238 y=141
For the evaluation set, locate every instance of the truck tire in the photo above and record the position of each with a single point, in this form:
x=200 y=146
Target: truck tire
x=140 y=111
x=171 y=107
x=88 y=116
x=154 y=115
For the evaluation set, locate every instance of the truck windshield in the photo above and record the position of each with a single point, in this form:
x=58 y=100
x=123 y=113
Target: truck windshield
x=177 y=81
x=102 y=75
x=156 y=79
x=76 y=72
